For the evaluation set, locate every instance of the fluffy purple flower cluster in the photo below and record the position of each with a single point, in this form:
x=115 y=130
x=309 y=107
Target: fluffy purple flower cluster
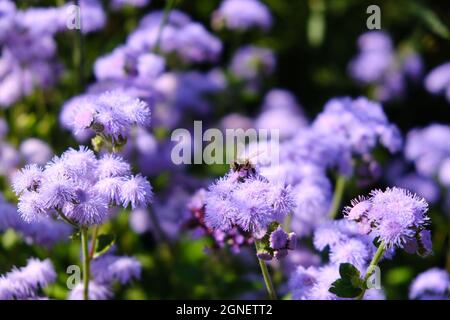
x=24 y=283
x=242 y=15
x=110 y=114
x=438 y=80
x=246 y=199
x=433 y=284
x=429 y=149
x=189 y=40
x=28 y=48
x=106 y=270
x=80 y=187
x=359 y=123
x=346 y=129
x=346 y=245
x=379 y=65
x=395 y=216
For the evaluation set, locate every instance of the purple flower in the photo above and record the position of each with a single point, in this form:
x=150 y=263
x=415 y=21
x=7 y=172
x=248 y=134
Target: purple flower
x=57 y=192
x=378 y=64
x=137 y=191
x=432 y=284
x=242 y=15
x=247 y=200
x=428 y=148
x=220 y=208
x=302 y=281
x=375 y=58
x=438 y=80
x=27 y=179
x=31 y=206
x=281 y=112
x=140 y=221
x=118 y=4
x=395 y=216
x=313 y=199
x=110 y=189
x=111 y=113
x=96 y=292
x=80 y=186
x=150 y=66
x=444 y=172
x=24 y=282
x=352 y=251
x=88 y=208
x=112 y=166
x=193 y=43
x=423 y=186
x=35 y=151
x=108 y=268
x=250 y=62
x=278 y=239
x=359 y=122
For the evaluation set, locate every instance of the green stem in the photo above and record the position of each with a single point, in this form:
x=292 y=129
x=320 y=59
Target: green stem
x=266 y=276
x=86 y=262
x=371 y=268
x=69 y=221
x=78 y=55
x=170 y=4
x=94 y=241
x=337 y=197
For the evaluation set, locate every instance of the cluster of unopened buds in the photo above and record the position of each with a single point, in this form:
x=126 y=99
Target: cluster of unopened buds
x=276 y=243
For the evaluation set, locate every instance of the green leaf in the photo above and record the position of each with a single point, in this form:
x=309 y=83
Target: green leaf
x=344 y=289
x=104 y=243
x=348 y=271
x=350 y=283
x=430 y=19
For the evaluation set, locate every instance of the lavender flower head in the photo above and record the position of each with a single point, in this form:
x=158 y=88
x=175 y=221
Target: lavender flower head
x=242 y=15
x=28 y=51
x=245 y=199
x=193 y=43
x=78 y=186
x=187 y=40
x=108 y=268
x=433 y=284
x=110 y=114
x=361 y=123
x=24 y=282
x=378 y=64
x=346 y=245
x=96 y=292
x=438 y=80
x=429 y=149
x=396 y=216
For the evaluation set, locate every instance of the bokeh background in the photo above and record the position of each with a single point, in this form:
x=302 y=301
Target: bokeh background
x=313 y=41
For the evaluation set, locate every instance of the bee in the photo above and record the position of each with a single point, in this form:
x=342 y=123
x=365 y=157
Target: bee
x=245 y=165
